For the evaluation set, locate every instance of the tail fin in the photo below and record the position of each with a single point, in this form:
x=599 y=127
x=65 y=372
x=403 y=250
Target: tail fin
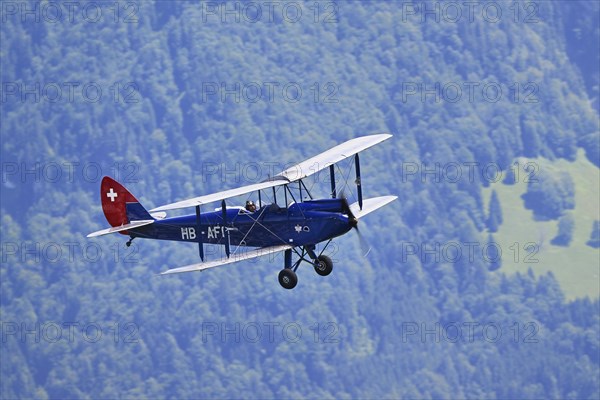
x=119 y=205
x=121 y=209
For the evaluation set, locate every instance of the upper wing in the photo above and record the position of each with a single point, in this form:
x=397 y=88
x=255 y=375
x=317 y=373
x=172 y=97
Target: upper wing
x=209 y=198
x=298 y=171
x=332 y=156
x=234 y=258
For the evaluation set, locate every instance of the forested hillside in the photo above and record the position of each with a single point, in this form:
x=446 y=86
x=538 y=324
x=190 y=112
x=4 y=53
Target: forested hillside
x=177 y=99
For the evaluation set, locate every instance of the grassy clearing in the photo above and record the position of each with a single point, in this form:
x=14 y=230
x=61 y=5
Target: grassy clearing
x=576 y=267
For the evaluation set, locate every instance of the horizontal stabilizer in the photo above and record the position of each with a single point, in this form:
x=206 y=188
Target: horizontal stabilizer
x=370 y=205
x=159 y=215
x=131 y=225
x=245 y=255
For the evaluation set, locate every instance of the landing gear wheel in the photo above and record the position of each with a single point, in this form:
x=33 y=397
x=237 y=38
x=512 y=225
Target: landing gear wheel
x=288 y=278
x=323 y=265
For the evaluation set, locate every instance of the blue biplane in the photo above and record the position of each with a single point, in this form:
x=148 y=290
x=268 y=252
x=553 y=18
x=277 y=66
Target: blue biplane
x=254 y=230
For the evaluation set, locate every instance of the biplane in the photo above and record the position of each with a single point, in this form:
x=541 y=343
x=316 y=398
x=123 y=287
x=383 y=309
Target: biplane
x=295 y=227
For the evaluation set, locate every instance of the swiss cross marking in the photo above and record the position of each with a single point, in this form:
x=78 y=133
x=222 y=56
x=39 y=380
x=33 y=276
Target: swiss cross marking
x=112 y=195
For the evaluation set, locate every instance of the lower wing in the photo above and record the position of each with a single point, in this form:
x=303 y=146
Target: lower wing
x=246 y=255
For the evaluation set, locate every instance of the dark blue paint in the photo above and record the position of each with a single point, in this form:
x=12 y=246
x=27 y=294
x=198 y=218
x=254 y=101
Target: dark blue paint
x=300 y=224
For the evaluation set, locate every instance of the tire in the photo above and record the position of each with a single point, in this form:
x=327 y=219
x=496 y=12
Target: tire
x=323 y=265
x=288 y=278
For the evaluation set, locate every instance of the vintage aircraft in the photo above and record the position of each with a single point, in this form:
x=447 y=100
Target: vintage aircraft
x=297 y=227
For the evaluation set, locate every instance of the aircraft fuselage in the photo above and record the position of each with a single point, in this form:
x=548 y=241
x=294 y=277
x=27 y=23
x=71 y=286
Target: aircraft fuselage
x=300 y=224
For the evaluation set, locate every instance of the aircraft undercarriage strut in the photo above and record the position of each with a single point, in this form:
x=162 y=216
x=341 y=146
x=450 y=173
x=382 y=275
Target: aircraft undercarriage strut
x=321 y=263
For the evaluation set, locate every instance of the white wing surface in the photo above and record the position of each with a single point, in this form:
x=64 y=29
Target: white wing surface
x=131 y=225
x=245 y=255
x=332 y=156
x=370 y=205
x=298 y=171
x=210 y=198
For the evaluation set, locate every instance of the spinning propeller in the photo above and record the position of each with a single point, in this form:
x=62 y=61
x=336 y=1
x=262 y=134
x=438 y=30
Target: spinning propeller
x=353 y=220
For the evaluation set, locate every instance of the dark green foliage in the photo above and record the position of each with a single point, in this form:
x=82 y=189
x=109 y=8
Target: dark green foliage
x=495 y=213
x=493 y=254
x=530 y=137
x=591 y=144
x=582 y=31
x=595 y=235
x=510 y=178
x=566 y=224
x=550 y=195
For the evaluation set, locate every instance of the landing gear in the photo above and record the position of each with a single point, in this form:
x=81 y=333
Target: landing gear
x=323 y=265
x=288 y=278
x=129 y=241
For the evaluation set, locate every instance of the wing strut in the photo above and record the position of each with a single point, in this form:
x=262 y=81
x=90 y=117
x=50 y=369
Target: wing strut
x=199 y=230
x=306 y=190
x=225 y=227
x=294 y=198
x=358 y=182
x=332 y=176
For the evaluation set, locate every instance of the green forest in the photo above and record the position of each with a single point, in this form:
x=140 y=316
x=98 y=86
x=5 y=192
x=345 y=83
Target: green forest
x=176 y=99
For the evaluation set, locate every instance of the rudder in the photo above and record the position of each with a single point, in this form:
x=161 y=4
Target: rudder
x=119 y=206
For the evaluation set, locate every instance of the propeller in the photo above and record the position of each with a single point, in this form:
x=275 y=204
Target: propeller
x=364 y=244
